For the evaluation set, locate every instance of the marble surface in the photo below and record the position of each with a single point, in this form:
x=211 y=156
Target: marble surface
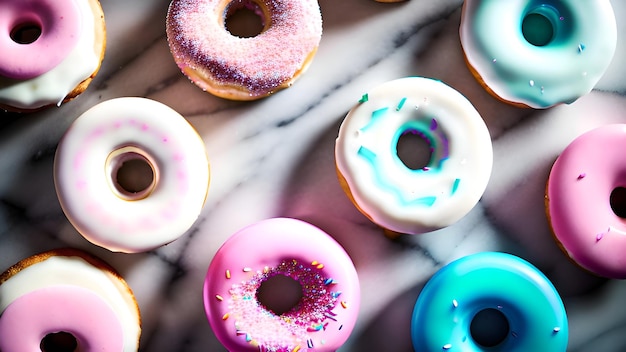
x=274 y=157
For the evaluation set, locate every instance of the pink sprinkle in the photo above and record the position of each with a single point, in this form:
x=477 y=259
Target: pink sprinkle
x=582 y=175
x=599 y=236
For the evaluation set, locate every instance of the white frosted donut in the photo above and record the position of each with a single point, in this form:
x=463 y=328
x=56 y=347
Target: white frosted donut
x=390 y=193
x=98 y=146
x=74 y=275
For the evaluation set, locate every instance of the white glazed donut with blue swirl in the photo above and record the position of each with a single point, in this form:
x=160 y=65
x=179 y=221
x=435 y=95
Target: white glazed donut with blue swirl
x=538 y=53
x=393 y=195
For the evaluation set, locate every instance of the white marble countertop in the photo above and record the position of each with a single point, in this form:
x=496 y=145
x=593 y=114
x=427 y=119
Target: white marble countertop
x=274 y=157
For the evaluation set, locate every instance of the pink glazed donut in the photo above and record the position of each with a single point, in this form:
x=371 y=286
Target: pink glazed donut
x=586 y=203
x=67 y=300
x=49 y=51
x=61 y=21
x=86 y=316
x=323 y=318
x=238 y=68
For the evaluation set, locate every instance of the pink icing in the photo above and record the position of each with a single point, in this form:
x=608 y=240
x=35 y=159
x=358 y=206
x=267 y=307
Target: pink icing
x=72 y=309
x=324 y=317
x=579 y=191
x=59 y=22
x=260 y=64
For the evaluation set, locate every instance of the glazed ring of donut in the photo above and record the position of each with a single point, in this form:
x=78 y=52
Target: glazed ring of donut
x=51 y=50
x=323 y=318
x=243 y=68
x=399 y=198
x=489 y=302
x=132 y=214
x=583 y=201
x=535 y=53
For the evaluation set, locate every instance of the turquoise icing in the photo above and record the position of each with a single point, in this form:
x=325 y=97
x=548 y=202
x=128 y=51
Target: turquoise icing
x=447 y=304
x=574 y=42
x=427 y=128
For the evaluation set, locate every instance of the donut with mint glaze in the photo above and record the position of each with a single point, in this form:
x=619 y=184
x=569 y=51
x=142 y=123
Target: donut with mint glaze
x=538 y=53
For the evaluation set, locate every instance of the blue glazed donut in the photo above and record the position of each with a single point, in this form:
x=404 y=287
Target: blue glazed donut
x=538 y=53
x=498 y=291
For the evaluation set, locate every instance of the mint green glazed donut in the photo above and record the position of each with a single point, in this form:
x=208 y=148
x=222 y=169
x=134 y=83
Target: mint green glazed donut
x=514 y=289
x=538 y=53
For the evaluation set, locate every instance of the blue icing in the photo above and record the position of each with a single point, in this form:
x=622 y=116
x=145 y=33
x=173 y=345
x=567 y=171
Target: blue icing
x=529 y=302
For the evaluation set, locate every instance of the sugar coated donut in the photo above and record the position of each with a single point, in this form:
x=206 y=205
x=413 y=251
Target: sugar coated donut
x=489 y=302
x=538 y=53
x=66 y=298
x=167 y=166
x=586 y=203
x=51 y=50
x=243 y=68
x=324 y=316
x=399 y=198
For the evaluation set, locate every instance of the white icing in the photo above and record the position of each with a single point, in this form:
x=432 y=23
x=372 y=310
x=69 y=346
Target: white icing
x=61 y=270
x=539 y=76
x=53 y=86
x=84 y=182
x=395 y=196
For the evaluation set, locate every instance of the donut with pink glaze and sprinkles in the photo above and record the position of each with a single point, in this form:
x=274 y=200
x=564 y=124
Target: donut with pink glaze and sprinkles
x=323 y=317
x=243 y=68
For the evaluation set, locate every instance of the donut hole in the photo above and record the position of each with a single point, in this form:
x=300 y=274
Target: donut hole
x=279 y=294
x=414 y=149
x=618 y=201
x=537 y=29
x=25 y=32
x=244 y=19
x=489 y=327
x=59 y=342
x=133 y=174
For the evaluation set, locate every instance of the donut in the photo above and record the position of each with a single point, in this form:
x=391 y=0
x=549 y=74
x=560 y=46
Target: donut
x=489 y=301
x=66 y=297
x=585 y=202
x=321 y=320
x=393 y=195
x=538 y=53
x=237 y=68
x=131 y=174
x=51 y=51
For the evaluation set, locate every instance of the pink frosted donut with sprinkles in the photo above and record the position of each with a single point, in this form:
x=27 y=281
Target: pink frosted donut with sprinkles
x=586 y=201
x=321 y=320
x=239 y=68
x=131 y=174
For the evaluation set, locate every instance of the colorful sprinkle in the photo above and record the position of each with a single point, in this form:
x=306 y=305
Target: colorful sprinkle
x=455 y=303
x=433 y=124
x=599 y=236
x=329 y=281
x=581 y=48
x=531 y=83
x=364 y=98
x=556 y=329
x=247 y=269
x=309 y=343
x=447 y=346
x=219 y=298
x=455 y=185
x=225 y=316
x=582 y=175
x=344 y=305
x=400 y=104
x=228 y=274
